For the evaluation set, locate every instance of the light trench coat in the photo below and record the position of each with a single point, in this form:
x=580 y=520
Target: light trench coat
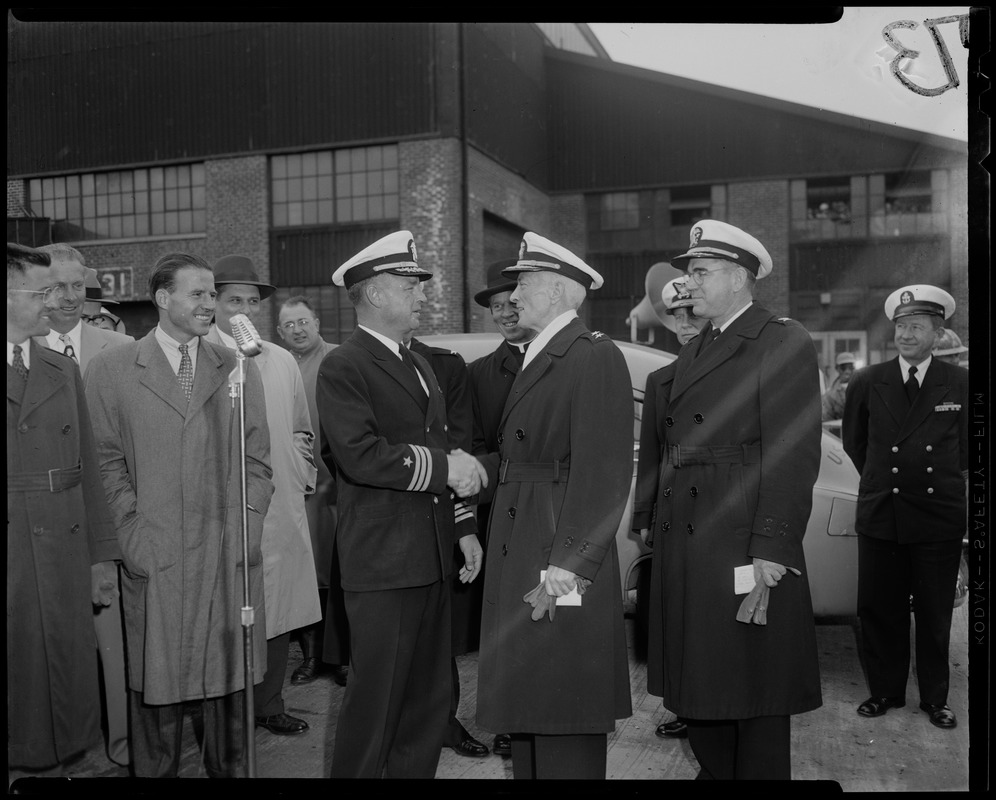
x=289 y=579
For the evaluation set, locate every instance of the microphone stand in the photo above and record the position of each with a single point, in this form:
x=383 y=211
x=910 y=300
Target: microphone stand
x=236 y=387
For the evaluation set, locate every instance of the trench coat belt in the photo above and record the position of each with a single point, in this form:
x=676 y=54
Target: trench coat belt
x=543 y=472
x=681 y=456
x=54 y=480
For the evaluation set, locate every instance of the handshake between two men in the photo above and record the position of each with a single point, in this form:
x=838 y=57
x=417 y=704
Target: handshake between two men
x=466 y=475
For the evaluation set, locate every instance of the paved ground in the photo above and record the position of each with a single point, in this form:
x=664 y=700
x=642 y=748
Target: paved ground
x=901 y=751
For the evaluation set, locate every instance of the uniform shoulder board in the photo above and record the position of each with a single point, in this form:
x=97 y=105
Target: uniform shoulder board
x=597 y=335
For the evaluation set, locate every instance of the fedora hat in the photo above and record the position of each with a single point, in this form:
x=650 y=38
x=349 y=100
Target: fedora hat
x=239 y=269
x=497 y=283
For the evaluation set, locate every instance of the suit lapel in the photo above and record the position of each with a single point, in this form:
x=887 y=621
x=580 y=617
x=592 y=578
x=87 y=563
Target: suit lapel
x=158 y=376
x=892 y=392
x=931 y=393
x=90 y=345
x=209 y=374
x=696 y=365
x=45 y=378
x=393 y=366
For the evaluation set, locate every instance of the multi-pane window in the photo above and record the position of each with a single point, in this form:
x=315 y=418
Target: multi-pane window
x=689 y=204
x=153 y=201
x=357 y=184
x=620 y=211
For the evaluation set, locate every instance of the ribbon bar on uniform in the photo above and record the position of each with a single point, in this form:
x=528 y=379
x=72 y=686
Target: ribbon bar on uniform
x=546 y=472
x=680 y=456
x=54 y=480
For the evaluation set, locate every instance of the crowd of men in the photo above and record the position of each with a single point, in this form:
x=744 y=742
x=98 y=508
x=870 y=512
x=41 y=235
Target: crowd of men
x=393 y=507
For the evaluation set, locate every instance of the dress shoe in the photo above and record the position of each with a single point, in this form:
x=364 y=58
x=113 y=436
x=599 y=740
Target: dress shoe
x=306 y=672
x=502 y=744
x=282 y=724
x=941 y=716
x=470 y=747
x=339 y=674
x=676 y=729
x=877 y=706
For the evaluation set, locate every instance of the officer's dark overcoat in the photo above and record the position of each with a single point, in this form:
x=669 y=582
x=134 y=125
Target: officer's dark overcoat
x=754 y=391
x=573 y=405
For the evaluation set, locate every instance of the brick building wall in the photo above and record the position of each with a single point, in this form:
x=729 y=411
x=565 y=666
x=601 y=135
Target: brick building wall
x=430 y=172
x=762 y=209
x=493 y=189
x=17 y=193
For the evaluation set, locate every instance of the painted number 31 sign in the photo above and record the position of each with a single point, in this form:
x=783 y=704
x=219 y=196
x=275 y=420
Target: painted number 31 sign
x=889 y=34
x=116 y=283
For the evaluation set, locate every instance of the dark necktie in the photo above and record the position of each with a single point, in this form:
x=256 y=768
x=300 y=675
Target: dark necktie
x=67 y=347
x=912 y=385
x=408 y=361
x=18 y=364
x=186 y=373
x=711 y=336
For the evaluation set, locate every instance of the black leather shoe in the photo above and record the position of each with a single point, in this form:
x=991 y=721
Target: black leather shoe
x=470 y=747
x=676 y=729
x=877 y=706
x=339 y=674
x=282 y=724
x=306 y=672
x=941 y=716
x=502 y=745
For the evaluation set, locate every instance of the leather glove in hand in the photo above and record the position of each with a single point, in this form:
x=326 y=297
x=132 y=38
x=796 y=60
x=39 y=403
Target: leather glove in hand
x=541 y=602
x=754 y=608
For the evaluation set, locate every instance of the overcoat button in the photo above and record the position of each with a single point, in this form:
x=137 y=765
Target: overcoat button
x=895 y=490
x=38 y=530
x=75 y=528
x=435 y=499
x=568 y=541
x=929 y=470
x=584 y=547
x=504 y=549
x=694 y=492
x=22 y=428
x=895 y=470
x=669 y=421
x=930 y=449
x=511 y=512
x=446 y=427
x=930 y=491
x=501 y=438
x=895 y=449
x=665 y=526
x=426 y=430
x=691 y=528
x=667 y=491
x=698 y=419
x=520 y=434
x=67 y=428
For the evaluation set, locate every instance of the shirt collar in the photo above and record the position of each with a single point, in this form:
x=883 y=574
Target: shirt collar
x=53 y=339
x=729 y=322
x=390 y=344
x=544 y=336
x=921 y=368
x=171 y=345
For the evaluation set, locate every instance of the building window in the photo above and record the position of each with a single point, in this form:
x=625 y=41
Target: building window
x=620 y=211
x=823 y=208
x=908 y=203
x=358 y=184
x=154 y=201
x=689 y=204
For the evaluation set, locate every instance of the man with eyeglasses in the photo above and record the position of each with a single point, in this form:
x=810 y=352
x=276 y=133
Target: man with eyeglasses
x=81 y=342
x=61 y=541
x=741 y=453
x=327 y=641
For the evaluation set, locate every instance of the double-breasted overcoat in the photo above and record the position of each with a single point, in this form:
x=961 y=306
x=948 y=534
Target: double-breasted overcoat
x=755 y=393
x=171 y=470
x=53 y=538
x=571 y=406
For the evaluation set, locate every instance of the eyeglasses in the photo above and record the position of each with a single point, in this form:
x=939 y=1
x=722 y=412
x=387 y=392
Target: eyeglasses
x=301 y=323
x=57 y=291
x=699 y=274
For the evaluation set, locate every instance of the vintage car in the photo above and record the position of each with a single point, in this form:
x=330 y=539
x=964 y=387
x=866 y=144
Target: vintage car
x=830 y=543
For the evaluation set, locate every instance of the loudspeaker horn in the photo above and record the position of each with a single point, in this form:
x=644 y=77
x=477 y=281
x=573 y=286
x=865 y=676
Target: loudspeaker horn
x=650 y=312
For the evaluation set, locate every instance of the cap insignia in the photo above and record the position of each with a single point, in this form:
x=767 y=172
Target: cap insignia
x=412 y=251
x=906 y=298
x=522 y=249
x=695 y=237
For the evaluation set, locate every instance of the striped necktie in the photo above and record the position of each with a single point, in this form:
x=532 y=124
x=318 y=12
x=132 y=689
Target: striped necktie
x=186 y=373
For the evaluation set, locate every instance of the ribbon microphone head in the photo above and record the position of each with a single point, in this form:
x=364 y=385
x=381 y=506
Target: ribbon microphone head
x=245 y=335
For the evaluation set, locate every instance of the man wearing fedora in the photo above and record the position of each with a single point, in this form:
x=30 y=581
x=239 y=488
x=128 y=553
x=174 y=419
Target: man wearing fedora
x=81 y=342
x=905 y=427
x=384 y=415
x=741 y=454
x=290 y=585
x=682 y=322
x=553 y=670
x=94 y=310
x=491 y=378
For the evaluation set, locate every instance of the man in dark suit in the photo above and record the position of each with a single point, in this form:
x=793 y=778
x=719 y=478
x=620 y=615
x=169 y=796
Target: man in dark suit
x=491 y=378
x=742 y=441
x=61 y=543
x=680 y=320
x=81 y=342
x=561 y=480
x=905 y=427
x=384 y=416
x=465 y=603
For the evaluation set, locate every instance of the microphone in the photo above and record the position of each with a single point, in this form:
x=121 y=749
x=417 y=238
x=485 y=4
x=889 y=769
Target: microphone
x=245 y=335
